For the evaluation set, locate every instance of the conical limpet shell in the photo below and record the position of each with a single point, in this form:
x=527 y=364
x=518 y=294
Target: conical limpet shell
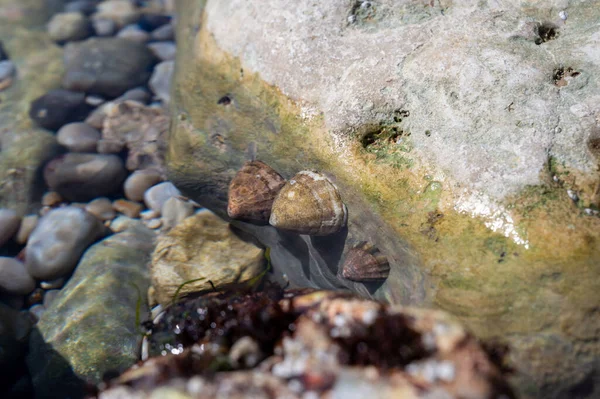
x=363 y=263
x=252 y=192
x=309 y=204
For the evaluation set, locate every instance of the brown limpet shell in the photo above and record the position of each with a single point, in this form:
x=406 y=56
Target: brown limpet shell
x=309 y=203
x=252 y=192
x=363 y=263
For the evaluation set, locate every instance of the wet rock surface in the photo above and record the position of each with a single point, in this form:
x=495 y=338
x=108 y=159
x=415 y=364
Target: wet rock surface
x=160 y=81
x=69 y=26
x=156 y=196
x=58 y=241
x=68 y=348
x=59 y=107
x=78 y=137
x=9 y=224
x=82 y=177
x=14 y=278
x=202 y=251
x=106 y=66
x=320 y=342
x=142 y=130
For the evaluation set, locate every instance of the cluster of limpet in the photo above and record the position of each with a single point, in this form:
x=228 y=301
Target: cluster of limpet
x=309 y=203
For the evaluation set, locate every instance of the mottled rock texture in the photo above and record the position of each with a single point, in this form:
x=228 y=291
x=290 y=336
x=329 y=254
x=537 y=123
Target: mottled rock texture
x=23 y=146
x=90 y=327
x=453 y=131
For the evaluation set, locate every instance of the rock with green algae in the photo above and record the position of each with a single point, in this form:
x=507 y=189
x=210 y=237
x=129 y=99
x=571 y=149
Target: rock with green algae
x=199 y=254
x=90 y=327
x=454 y=164
x=24 y=147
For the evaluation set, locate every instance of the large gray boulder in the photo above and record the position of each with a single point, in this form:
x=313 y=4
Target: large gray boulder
x=463 y=136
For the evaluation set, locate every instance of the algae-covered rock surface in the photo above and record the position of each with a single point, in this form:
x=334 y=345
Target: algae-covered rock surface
x=90 y=327
x=25 y=147
x=462 y=136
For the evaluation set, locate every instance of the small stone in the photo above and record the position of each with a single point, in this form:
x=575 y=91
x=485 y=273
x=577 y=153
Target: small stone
x=78 y=137
x=50 y=296
x=6 y=83
x=174 y=211
x=122 y=12
x=59 y=107
x=3 y=53
x=51 y=199
x=138 y=94
x=128 y=208
x=160 y=82
x=96 y=118
x=82 y=177
x=53 y=284
x=153 y=224
x=104 y=27
x=86 y=7
x=9 y=224
x=59 y=240
x=109 y=146
x=165 y=51
x=14 y=278
x=149 y=214
x=164 y=33
x=94 y=101
x=151 y=22
x=156 y=196
x=101 y=208
x=144 y=131
x=139 y=182
x=7 y=69
x=14 y=301
x=28 y=223
x=69 y=26
x=35 y=297
x=37 y=311
x=134 y=33
x=97 y=66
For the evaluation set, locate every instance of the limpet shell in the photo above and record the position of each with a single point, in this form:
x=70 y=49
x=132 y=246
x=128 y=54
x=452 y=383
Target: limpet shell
x=363 y=263
x=252 y=192
x=309 y=203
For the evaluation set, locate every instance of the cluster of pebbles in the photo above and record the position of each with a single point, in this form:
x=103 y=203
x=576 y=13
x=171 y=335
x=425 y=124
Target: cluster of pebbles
x=110 y=118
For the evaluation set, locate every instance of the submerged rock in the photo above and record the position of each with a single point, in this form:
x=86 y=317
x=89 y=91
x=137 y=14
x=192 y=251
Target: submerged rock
x=82 y=177
x=59 y=240
x=106 y=66
x=203 y=252
x=59 y=107
x=69 y=26
x=141 y=129
x=90 y=327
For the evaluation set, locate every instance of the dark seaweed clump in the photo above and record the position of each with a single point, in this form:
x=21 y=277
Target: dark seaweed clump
x=222 y=319
x=389 y=342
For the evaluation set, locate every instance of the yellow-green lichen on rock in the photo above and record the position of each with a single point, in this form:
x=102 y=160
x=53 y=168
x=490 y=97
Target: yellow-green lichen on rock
x=515 y=259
